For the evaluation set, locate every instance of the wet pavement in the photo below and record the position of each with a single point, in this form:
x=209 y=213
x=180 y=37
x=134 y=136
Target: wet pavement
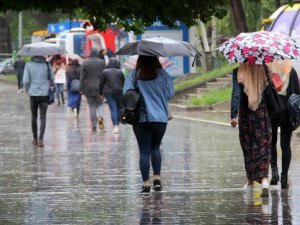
x=91 y=178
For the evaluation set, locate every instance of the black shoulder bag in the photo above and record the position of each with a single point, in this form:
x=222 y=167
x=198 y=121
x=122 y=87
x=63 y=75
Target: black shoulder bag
x=293 y=106
x=51 y=90
x=130 y=103
x=275 y=105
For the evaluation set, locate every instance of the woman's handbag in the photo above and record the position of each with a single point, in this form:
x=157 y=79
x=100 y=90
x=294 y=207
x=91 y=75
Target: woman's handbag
x=51 y=90
x=130 y=104
x=275 y=105
x=75 y=86
x=293 y=106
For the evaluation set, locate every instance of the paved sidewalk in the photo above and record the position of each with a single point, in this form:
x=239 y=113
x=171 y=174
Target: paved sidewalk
x=91 y=178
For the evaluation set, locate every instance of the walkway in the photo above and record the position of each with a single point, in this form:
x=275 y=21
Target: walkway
x=91 y=178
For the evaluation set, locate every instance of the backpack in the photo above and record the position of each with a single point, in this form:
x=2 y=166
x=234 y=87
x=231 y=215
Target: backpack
x=293 y=106
x=130 y=103
x=75 y=86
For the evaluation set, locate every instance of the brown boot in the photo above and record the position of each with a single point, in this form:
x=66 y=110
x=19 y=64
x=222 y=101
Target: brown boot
x=100 y=123
x=34 y=142
x=40 y=143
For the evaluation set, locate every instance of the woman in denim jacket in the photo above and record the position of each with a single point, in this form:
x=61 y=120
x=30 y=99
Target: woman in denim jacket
x=156 y=87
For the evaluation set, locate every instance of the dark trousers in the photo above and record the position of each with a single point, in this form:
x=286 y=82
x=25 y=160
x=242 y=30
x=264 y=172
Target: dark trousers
x=285 y=143
x=20 y=80
x=149 y=136
x=38 y=102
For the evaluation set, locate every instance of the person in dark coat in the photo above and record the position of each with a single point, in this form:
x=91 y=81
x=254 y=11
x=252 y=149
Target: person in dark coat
x=19 y=66
x=74 y=98
x=111 y=86
x=90 y=74
x=286 y=83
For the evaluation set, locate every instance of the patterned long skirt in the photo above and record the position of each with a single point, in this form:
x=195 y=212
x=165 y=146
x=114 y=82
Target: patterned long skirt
x=255 y=133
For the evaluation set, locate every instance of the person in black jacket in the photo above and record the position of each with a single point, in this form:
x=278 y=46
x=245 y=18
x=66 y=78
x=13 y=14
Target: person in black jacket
x=286 y=82
x=111 y=86
x=19 y=66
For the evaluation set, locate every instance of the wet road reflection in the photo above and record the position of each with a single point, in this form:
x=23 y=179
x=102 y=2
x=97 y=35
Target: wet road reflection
x=85 y=177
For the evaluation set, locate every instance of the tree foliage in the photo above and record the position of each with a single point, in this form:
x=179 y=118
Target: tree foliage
x=131 y=14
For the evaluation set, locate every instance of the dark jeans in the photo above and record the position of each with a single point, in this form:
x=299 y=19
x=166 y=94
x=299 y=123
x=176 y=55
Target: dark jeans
x=114 y=107
x=285 y=143
x=38 y=102
x=20 y=80
x=149 y=136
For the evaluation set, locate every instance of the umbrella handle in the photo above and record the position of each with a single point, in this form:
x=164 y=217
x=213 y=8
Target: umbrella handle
x=267 y=73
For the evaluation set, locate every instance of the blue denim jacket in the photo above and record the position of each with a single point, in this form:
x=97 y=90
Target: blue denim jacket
x=156 y=94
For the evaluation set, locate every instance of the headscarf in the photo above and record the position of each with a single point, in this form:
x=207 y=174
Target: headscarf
x=253 y=78
x=280 y=74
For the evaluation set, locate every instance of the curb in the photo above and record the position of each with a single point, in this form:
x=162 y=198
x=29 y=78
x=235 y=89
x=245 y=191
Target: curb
x=190 y=108
x=202 y=121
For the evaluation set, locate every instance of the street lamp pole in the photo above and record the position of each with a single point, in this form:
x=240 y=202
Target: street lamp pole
x=20 y=42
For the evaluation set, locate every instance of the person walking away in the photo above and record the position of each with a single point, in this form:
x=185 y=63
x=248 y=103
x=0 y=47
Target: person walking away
x=156 y=87
x=19 y=66
x=36 y=82
x=59 y=80
x=90 y=74
x=255 y=131
x=74 y=98
x=103 y=55
x=286 y=83
x=111 y=86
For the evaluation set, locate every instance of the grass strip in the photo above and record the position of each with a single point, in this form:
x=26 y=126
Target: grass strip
x=211 y=97
x=10 y=77
x=206 y=76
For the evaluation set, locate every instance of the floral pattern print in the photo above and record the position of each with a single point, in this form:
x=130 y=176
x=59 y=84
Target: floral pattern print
x=260 y=46
x=255 y=132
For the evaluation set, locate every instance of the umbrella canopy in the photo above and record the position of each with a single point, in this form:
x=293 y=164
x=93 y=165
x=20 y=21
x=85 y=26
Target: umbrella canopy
x=130 y=63
x=40 y=49
x=259 y=47
x=158 y=46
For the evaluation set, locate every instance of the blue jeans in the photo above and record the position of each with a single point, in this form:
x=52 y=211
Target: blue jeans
x=59 y=88
x=149 y=136
x=114 y=107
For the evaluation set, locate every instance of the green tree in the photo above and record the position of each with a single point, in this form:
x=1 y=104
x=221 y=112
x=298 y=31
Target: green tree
x=133 y=15
x=33 y=20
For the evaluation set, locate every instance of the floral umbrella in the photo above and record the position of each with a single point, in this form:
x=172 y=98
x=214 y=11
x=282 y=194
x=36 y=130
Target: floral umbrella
x=259 y=47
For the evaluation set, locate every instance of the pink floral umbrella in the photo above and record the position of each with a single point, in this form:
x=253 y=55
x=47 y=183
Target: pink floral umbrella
x=259 y=47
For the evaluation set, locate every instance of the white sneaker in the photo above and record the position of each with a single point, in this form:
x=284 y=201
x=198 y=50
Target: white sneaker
x=248 y=188
x=116 y=130
x=265 y=189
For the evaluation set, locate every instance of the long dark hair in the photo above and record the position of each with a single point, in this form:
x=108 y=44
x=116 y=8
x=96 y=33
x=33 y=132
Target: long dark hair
x=147 y=66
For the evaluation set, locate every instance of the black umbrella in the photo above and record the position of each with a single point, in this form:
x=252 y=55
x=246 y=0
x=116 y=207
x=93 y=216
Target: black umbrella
x=158 y=46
